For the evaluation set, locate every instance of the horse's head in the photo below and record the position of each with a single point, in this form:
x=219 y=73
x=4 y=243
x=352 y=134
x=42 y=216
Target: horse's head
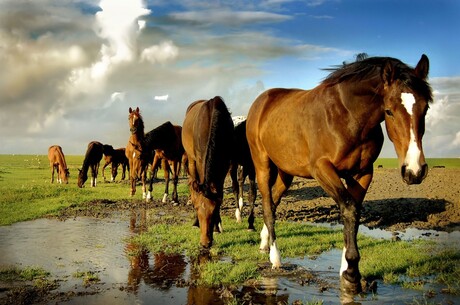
x=206 y=204
x=135 y=121
x=66 y=176
x=82 y=177
x=406 y=99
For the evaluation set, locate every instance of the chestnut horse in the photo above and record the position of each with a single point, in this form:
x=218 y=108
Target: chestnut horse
x=57 y=162
x=115 y=157
x=333 y=132
x=92 y=159
x=137 y=157
x=240 y=168
x=165 y=143
x=207 y=135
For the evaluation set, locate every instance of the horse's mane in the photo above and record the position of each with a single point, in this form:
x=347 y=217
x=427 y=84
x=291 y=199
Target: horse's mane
x=108 y=150
x=159 y=136
x=61 y=157
x=365 y=68
x=220 y=143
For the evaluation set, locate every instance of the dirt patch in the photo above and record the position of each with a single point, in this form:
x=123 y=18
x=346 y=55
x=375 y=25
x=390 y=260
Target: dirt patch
x=389 y=204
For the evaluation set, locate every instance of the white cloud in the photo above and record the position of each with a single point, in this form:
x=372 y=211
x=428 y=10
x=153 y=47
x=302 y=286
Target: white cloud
x=161 y=53
x=161 y=97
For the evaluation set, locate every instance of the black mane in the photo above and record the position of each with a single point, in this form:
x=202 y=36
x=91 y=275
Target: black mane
x=369 y=68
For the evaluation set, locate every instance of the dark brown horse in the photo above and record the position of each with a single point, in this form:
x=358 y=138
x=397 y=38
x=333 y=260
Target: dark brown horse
x=137 y=156
x=115 y=157
x=165 y=143
x=207 y=135
x=242 y=167
x=57 y=162
x=333 y=132
x=92 y=159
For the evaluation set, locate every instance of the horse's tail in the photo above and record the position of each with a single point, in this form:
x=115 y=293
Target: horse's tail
x=219 y=148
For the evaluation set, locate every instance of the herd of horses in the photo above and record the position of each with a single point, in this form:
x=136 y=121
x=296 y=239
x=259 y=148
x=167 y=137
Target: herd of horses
x=331 y=133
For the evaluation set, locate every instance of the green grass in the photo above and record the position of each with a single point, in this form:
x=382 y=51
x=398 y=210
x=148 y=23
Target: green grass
x=26 y=191
x=235 y=255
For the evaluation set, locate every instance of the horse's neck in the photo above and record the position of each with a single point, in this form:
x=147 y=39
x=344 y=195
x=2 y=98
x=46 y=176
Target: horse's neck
x=62 y=163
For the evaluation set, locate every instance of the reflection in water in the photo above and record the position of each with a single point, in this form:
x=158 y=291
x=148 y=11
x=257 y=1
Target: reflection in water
x=131 y=275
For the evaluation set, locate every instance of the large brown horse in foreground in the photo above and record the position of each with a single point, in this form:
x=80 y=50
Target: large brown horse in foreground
x=92 y=160
x=332 y=133
x=57 y=162
x=207 y=135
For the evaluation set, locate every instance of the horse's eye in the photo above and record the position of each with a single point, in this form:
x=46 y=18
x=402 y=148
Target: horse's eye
x=388 y=112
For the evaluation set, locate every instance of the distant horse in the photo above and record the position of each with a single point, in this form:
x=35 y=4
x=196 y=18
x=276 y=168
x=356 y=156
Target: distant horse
x=92 y=159
x=137 y=156
x=242 y=167
x=165 y=142
x=333 y=132
x=115 y=157
x=207 y=135
x=57 y=162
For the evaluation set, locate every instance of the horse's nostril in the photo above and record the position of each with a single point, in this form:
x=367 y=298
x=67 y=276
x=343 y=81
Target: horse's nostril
x=403 y=170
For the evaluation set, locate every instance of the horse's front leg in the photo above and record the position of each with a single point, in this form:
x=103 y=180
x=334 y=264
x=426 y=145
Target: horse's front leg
x=166 y=167
x=350 y=203
x=267 y=235
x=251 y=199
x=176 y=170
x=52 y=173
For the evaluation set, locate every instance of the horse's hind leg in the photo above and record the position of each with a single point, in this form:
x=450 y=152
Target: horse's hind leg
x=235 y=189
x=251 y=196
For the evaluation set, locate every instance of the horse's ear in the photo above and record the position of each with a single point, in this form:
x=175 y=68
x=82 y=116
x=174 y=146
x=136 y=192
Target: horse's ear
x=388 y=73
x=137 y=109
x=422 y=68
x=130 y=109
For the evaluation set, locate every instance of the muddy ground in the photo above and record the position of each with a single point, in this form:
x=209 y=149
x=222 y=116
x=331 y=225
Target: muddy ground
x=389 y=204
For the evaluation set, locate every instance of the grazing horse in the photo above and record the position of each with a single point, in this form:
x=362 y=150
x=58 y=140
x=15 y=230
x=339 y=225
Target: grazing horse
x=92 y=159
x=332 y=133
x=207 y=135
x=165 y=142
x=138 y=158
x=240 y=168
x=57 y=162
x=115 y=157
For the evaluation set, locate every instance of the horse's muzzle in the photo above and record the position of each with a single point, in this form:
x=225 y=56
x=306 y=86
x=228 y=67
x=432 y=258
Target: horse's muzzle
x=410 y=177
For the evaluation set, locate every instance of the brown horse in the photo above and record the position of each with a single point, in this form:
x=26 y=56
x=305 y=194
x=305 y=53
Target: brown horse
x=137 y=157
x=57 y=162
x=207 y=135
x=333 y=132
x=242 y=167
x=92 y=159
x=115 y=157
x=165 y=143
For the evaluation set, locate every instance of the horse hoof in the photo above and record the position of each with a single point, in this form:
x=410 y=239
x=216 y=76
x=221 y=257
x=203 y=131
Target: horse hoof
x=175 y=204
x=350 y=287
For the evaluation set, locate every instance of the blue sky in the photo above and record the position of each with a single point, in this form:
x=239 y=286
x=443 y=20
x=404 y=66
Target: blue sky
x=71 y=69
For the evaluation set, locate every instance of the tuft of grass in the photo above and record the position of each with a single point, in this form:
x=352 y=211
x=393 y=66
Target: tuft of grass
x=88 y=277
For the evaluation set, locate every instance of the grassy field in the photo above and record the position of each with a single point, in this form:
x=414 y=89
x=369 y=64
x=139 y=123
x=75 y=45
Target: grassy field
x=28 y=194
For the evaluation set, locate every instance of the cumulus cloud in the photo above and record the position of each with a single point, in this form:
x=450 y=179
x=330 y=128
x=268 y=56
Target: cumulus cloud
x=160 y=53
x=161 y=97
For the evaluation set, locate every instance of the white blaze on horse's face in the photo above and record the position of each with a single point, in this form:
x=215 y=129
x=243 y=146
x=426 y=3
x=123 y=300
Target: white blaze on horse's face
x=413 y=151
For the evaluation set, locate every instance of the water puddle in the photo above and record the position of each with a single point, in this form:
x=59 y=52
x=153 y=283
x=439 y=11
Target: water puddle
x=128 y=275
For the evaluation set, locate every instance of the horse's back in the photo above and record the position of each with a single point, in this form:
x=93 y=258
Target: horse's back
x=94 y=152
